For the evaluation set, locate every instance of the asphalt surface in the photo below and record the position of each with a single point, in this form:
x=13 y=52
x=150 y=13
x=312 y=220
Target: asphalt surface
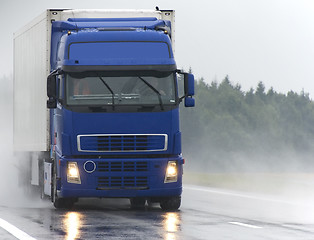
x=206 y=213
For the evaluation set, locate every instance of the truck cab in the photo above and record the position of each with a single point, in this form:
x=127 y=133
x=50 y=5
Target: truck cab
x=113 y=99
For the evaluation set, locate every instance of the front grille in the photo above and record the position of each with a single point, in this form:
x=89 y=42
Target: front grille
x=122 y=143
x=122 y=182
x=123 y=166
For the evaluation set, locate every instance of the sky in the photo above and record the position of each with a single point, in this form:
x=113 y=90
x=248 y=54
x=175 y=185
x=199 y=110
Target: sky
x=249 y=40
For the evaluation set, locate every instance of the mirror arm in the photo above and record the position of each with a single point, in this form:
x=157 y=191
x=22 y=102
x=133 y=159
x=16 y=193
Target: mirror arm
x=56 y=72
x=181 y=98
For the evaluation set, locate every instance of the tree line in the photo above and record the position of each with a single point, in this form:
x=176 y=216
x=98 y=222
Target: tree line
x=233 y=129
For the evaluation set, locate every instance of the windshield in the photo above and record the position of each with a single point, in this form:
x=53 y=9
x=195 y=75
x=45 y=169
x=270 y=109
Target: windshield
x=134 y=89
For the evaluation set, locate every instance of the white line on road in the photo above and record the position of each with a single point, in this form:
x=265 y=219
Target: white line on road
x=245 y=225
x=19 y=234
x=235 y=194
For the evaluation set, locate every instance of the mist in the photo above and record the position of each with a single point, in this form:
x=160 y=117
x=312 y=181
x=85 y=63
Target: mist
x=257 y=143
x=13 y=192
x=231 y=130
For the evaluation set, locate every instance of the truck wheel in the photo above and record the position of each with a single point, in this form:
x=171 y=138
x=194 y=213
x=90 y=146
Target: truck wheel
x=60 y=203
x=63 y=203
x=137 y=203
x=171 y=204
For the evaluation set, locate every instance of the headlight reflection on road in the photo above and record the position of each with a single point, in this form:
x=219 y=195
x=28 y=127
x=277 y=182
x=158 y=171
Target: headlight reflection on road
x=171 y=225
x=72 y=224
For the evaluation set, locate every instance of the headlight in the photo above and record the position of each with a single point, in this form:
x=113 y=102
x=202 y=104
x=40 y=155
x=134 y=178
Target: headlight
x=171 y=172
x=73 y=174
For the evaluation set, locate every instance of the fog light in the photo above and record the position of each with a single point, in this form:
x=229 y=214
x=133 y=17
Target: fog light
x=171 y=172
x=73 y=174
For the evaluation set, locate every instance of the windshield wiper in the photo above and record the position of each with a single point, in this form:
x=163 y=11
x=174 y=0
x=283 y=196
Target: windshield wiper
x=155 y=90
x=110 y=90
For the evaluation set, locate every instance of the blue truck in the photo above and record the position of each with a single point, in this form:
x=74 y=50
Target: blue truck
x=96 y=106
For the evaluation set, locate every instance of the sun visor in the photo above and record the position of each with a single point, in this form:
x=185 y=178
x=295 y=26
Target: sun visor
x=110 y=55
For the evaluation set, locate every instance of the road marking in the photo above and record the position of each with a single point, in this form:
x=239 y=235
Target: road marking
x=235 y=194
x=245 y=225
x=222 y=192
x=19 y=234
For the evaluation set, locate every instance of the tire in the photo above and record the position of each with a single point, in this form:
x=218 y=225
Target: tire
x=171 y=204
x=137 y=203
x=59 y=203
x=63 y=203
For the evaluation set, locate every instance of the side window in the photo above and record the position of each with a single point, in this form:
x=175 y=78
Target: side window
x=180 y=80
x=60 y=87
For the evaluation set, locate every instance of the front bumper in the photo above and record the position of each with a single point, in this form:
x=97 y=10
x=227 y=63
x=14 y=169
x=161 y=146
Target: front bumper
x=138 y=177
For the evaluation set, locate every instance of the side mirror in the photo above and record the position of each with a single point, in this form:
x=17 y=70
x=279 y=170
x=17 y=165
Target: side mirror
x=188 y=78
x=189 y=102
x=188 y=84
x=52 y=91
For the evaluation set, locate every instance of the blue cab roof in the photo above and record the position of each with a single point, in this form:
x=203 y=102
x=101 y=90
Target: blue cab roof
x=111 y=42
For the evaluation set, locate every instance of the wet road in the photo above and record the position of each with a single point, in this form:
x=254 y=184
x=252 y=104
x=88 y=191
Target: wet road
x=206 y=213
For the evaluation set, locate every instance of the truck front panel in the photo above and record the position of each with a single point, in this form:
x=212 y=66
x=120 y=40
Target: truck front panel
x=115 y=128
x=120 y=177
